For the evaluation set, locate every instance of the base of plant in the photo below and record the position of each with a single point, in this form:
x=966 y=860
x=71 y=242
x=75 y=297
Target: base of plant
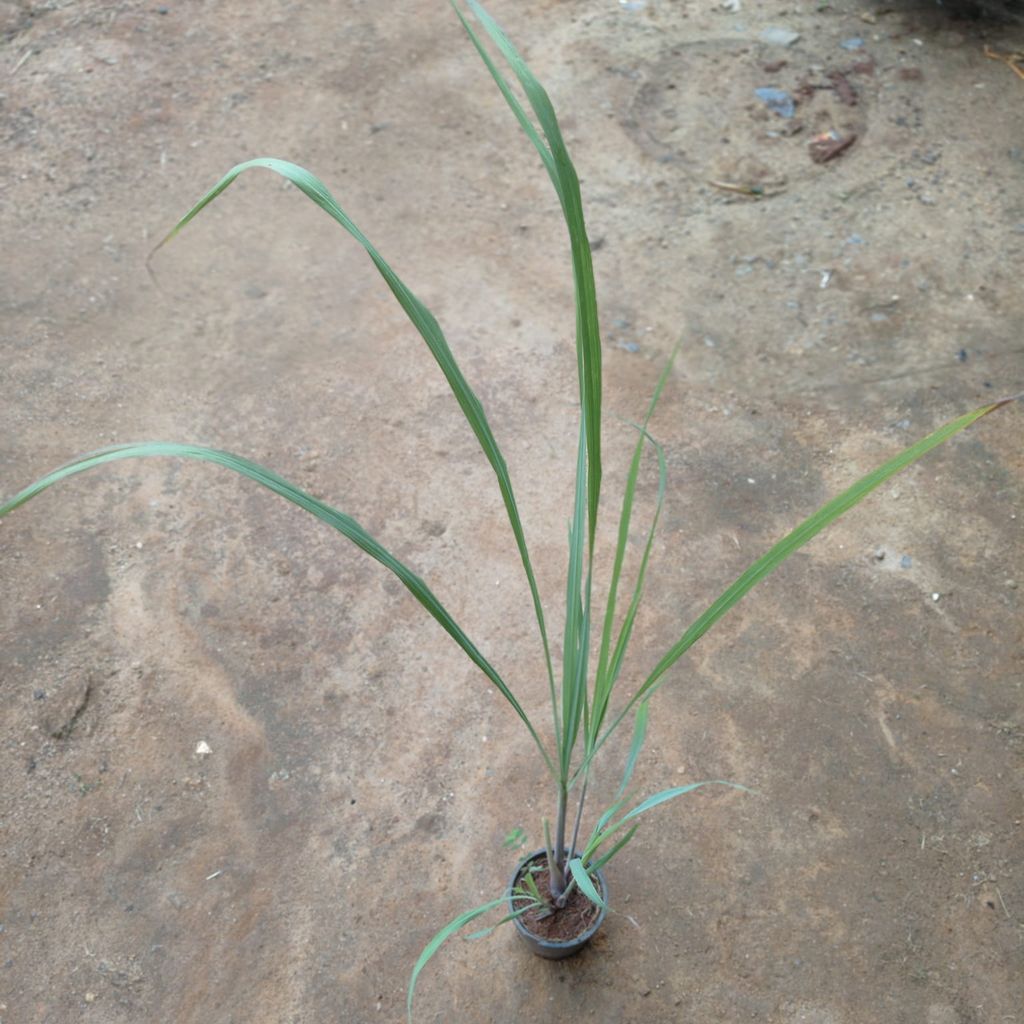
x=564 y=932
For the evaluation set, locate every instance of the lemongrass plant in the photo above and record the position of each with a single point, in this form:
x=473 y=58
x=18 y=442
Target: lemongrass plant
x=583 y=713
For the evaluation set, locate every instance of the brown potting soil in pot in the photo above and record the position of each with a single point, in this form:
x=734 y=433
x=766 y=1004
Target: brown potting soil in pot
x=573 y=919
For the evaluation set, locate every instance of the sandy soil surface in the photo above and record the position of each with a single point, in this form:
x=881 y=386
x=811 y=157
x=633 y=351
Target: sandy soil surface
x=361 y=775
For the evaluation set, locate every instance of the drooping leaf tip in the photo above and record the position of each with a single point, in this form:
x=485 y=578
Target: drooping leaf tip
x=1004 y=401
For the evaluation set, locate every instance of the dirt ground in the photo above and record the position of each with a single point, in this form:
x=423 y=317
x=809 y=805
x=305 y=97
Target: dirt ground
x=361 y=775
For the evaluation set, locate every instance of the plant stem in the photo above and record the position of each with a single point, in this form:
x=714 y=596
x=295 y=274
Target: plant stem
x=557 y=873
x=561 y=898
x=579 y=818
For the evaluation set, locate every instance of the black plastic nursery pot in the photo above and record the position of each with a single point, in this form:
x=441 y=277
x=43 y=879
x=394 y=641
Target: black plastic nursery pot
x=549 y=948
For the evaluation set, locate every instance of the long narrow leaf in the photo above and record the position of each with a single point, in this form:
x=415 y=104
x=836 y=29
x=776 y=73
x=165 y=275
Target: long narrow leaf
x=510 y=98
x=577 y=639
x=529 y=888
x=639 y=734
x=582 y=879
x=604 y=858
x=484 y=932
x=792 y=542
x=563 y=173
x=343 y=523
x=439 y=939
x=606 y=816
x=648 y=804
x=605 y=681
x=671 y=794
x=429 y=330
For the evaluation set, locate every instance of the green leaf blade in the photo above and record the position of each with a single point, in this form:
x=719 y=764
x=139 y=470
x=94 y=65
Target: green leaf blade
x=566 y=182
x=605 y=858
x=808 y=529
x=430 y=331
x=639 y=735
x=607 y=671
x=602 y=835
x=341 y=522
x=582 y=879
x=577 y=621
x=670 y=794
x=792 y=542
x=438 y=940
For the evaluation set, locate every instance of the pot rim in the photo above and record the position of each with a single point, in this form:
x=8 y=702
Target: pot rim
x=577 y=941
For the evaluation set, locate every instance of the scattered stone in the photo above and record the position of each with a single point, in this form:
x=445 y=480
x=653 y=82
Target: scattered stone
x=853 y=43
x=203 y=748
x=906 y=562
x=779 y=36
x=829 y=145
x=778 y=101
x=880 y=555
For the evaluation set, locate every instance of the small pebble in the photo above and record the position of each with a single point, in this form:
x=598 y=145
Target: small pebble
x=778 y=101
x=935 y=597
x=906 y=562
x=779 y=36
